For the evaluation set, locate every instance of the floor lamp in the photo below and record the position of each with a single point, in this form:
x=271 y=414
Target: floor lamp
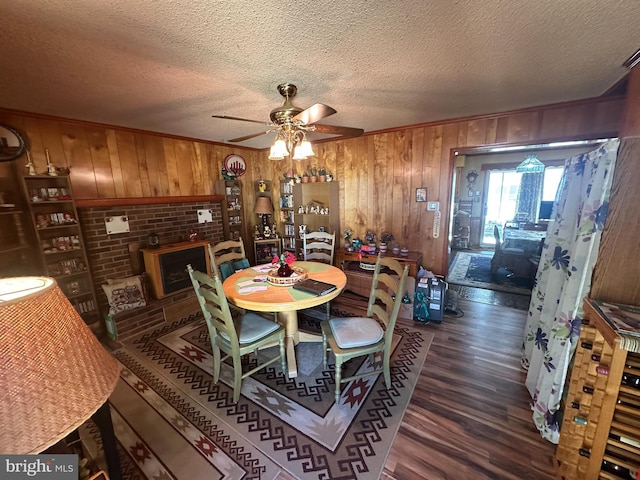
x=54 y=373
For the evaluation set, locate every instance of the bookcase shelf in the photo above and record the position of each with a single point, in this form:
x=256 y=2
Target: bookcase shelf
x=60 y=244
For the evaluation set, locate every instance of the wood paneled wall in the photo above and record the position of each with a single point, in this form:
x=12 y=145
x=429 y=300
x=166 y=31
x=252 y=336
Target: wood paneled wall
x=378 y=172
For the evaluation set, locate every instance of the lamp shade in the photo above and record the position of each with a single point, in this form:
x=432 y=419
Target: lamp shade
x=530 y=165
x=54 y=373
x=263 y=206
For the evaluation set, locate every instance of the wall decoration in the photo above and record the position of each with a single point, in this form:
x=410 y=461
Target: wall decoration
x=472 y=176
x=12 y=145
x=421 y=194
x=236 y=164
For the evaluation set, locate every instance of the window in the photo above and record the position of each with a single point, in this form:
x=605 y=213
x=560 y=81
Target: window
x=502 y=193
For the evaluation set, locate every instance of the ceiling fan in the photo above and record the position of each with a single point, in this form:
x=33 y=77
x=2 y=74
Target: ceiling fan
x=291 y=123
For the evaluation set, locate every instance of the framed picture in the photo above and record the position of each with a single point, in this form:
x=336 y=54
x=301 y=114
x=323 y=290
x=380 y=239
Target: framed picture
x=421 y=194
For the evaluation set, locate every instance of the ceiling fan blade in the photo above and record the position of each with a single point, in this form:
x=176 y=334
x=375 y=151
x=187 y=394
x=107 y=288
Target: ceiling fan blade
x=246 y=137
x=336 y=130
x=314 y=113
x=226 y=117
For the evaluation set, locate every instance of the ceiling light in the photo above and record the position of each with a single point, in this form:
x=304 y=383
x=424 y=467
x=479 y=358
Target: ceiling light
x=278 y=150
x=530 y=165
x=291 y=138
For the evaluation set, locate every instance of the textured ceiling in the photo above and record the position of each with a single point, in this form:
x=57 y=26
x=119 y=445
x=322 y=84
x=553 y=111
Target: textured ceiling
x=167 y=66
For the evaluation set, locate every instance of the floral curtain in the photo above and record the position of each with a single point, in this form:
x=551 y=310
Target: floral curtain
x=528 y=200
x=563 y=280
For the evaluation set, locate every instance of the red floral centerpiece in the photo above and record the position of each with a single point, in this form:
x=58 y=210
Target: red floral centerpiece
x=284 y=261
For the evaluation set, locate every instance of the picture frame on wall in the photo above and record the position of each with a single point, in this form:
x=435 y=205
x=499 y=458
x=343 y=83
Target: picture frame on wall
x=421 y=194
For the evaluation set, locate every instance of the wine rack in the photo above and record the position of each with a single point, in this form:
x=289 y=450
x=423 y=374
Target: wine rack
x=600 y=433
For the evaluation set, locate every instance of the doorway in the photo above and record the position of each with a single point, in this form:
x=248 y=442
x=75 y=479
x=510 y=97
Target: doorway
x=501 y=194
x=491 y=200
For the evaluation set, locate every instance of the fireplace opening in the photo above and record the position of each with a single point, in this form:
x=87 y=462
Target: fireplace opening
x=173 y=268
x=167 y=266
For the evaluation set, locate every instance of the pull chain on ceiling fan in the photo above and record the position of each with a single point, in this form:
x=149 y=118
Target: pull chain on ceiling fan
x=291 y=124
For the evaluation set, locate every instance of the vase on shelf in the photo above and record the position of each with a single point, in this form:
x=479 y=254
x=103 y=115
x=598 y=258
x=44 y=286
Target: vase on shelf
x=285 y=270
x=396 y=250
x=404 y=252
x=383 y=247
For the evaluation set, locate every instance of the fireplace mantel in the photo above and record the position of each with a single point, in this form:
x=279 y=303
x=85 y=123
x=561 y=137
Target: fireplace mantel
x=118 y=202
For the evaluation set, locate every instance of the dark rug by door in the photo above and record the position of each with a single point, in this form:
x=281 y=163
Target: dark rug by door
x=172 y=421
x=473 y=269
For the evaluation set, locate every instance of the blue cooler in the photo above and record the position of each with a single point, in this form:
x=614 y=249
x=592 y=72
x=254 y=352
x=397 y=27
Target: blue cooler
x=428 y=305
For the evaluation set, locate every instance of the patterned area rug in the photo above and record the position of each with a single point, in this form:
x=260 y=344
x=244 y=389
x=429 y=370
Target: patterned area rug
x=172 y=421
x=473 y=269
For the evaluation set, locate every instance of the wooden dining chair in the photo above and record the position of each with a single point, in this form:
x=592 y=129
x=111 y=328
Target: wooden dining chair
x=352 y=337
x=235 y=338
x=320 y=247
x=227 y=257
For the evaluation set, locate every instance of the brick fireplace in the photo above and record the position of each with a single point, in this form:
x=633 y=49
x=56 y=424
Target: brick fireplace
x=118 y=255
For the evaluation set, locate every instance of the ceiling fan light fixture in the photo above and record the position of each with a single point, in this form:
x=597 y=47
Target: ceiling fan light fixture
x=305 y=149
x=278 y=150
x=297 y=153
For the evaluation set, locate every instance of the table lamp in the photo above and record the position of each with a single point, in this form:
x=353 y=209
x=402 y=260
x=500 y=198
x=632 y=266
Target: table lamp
x=54 y=373
x=264 y=208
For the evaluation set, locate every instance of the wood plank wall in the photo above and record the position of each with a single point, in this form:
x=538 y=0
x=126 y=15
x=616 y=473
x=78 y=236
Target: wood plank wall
x=378 y=172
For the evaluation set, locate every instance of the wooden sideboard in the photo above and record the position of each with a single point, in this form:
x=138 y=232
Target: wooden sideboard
x=359 y=279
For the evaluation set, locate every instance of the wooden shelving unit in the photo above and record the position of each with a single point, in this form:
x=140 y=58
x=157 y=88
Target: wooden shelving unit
x=232 y=209
x=600 y=433
x=310 y=201
x=60 y=244
x=17 y=237
x=287 y=216
x=266 y=249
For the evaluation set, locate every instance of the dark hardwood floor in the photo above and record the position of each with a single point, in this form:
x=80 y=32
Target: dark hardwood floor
x=469 y=417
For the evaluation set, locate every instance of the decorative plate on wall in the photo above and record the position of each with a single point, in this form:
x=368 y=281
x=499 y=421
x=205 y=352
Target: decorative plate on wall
x=235 y=163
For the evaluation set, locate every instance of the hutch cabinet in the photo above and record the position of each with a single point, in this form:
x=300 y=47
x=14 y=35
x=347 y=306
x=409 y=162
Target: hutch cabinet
x=60 y=245
x=600 y=433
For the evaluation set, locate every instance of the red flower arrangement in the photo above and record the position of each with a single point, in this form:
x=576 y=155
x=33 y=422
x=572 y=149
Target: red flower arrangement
x=284 y=260
x=287 y=258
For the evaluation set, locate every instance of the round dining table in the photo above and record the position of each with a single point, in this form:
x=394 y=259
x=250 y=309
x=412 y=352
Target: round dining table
x=240 y=289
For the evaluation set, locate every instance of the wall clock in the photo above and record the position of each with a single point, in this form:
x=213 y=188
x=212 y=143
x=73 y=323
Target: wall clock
x=235 y=164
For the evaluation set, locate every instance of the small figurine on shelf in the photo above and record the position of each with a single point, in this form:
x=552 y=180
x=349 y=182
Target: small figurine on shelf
x=347 y=233
x=193 y=235
x=51 y=169
x=31 y=171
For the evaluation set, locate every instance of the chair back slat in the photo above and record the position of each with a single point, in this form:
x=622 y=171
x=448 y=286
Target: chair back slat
x=319 y=246
x=387 y=289
x=213 y=303
x=225 y=252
